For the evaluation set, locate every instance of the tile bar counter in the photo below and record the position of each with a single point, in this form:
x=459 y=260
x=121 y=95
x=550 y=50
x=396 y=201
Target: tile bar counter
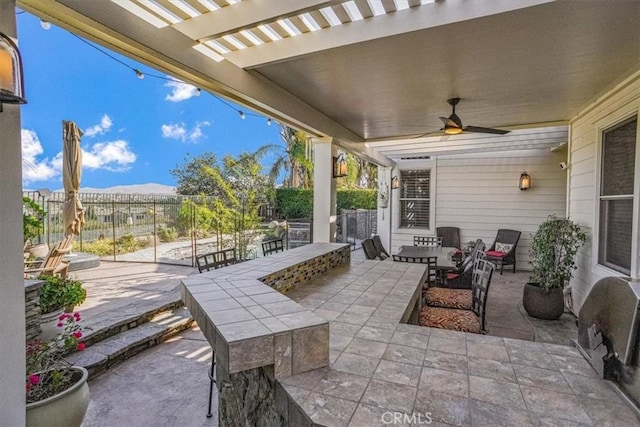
x=257 y=333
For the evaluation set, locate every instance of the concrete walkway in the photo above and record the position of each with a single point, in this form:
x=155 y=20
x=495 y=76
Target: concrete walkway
x=168 y=384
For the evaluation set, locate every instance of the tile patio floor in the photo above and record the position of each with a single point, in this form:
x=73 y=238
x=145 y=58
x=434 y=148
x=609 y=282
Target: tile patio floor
x=167 y=385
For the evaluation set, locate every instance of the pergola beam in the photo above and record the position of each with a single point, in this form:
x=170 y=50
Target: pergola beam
x=404 y=21
x=244 y=15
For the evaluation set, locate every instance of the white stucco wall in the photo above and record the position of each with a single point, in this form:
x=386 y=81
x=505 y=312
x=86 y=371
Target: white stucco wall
x=584 y=146
x=479 y=194
x=12 y=314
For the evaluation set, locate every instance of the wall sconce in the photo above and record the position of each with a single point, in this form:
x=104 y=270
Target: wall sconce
x=339 y=166
x=11 y=84
x=525 y=181
x=395 y=183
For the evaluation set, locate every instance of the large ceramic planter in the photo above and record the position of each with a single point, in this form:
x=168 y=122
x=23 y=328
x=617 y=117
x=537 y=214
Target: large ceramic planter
x=48 y=328
x=542 y=304
x=65 y=409
x=39 y=250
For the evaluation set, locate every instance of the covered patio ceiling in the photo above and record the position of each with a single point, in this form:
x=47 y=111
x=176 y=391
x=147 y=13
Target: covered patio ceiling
x=362 y=71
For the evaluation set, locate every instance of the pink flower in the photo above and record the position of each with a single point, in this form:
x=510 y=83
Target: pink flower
x=62 y=316
x=77 y=334
x=81 y=346
x=34 y=379
x=76 y=315
x=59 y=325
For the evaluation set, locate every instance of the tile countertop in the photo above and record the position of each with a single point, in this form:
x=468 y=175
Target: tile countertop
x=250 y=325
x=383 y=372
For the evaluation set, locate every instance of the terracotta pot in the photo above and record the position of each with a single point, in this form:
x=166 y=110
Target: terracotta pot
x=65 y=409
x=542 y=304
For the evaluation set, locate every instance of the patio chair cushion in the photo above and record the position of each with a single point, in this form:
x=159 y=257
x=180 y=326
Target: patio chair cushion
x=451 y=276
x=449 y=298
x=450 y=318
x=496 y=254
x=503 y=247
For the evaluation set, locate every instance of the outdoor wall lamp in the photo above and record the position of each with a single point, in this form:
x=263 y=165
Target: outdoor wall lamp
x=395 y=183
x=339 y=166
x=11 y=84
x=525 y=181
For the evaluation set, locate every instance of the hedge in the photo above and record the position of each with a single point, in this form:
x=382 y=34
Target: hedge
x=298 y=202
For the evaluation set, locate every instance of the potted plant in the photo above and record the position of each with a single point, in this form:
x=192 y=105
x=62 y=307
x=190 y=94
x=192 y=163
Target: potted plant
x=57 y=393
x=553 y=249
x=383 y=198
x=60 y=293
x=32 y=225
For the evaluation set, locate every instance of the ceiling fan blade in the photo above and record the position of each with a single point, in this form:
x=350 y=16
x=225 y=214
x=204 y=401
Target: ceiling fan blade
x=478 y=129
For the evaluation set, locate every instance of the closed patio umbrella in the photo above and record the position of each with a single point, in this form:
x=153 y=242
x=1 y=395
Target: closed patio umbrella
x=71 y=175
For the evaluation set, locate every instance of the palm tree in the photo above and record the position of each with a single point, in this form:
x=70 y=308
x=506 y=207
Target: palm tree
x=294 y=159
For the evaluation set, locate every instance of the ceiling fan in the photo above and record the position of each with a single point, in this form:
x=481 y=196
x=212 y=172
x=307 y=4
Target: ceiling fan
x=453 y=124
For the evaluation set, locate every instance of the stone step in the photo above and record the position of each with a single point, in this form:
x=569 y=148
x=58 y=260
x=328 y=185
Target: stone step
x=102 y=355
x=108 y=324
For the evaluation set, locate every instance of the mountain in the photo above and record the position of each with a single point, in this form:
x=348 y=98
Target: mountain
x=150 y=188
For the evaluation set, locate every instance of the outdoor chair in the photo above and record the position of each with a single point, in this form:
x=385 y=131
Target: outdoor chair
x=456 y=319
x=215 y=260
x=432 y=275
x=447 y=296
x=53 y=263
x=377 y=244
x=369 y=249
x=461 y=277
x=272 y=247
x=431 y=241
x=450 y=236
x=503 y=250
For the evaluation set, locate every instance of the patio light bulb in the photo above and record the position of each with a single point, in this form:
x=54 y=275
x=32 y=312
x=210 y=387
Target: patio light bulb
x=139 y=73
x=46 y=25
x=198 y=91
x=269 y=122
x=525 y=181
x=242 y=116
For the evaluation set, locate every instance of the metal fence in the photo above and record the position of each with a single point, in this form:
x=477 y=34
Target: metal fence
x=162 y=228
x=353 y=226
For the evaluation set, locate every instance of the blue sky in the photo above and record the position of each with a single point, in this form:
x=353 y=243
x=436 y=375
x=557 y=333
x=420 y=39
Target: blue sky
x=136 y=131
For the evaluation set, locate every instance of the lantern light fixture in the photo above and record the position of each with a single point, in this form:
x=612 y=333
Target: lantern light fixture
x=525 y=181
x=395 y=183
x=11 y=82
x=339 y=166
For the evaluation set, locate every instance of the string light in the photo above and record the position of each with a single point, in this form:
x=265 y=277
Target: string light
x=46 y=25
x=142 y=75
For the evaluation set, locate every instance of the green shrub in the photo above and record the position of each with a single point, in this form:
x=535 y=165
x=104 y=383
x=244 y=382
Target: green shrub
x=167 y=234
x=298 y=202
x=58 y=293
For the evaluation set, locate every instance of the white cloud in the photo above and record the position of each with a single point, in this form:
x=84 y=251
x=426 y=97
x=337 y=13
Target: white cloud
x=179 y=131
x=100 y=128
x=114 y=156
x=180 y=91
x=34 y=169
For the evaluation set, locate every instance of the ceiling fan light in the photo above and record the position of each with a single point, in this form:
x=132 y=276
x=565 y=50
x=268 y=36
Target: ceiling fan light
x=451 y=130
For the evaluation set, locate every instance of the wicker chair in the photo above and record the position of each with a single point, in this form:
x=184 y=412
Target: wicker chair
x=473 y=320
x=377 y=244
x=431 y=241
x=450 y=236
x=496 y=252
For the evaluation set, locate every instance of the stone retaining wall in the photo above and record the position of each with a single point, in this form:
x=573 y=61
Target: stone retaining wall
x=32 y=307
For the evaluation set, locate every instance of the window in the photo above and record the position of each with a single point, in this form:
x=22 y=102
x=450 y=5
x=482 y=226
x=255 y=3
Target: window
x=415 y=198
x=616 y=196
